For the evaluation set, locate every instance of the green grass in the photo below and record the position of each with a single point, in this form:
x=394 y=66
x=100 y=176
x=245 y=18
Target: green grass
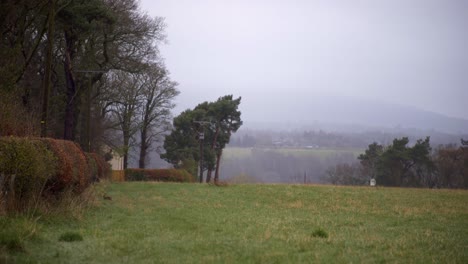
x=235 y=152
x=70 y=237
x=191 y=223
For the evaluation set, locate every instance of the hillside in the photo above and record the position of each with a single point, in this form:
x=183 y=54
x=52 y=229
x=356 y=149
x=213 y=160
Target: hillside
x=349 y=114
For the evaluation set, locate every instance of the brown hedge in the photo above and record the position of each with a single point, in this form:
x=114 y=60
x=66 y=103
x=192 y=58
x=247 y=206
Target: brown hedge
x=72 y=168
x=103 y=168
x=164 y=175
x=34 y=166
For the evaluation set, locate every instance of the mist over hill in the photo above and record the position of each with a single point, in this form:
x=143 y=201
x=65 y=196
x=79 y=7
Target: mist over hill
x=275 y=132
x=347 y=114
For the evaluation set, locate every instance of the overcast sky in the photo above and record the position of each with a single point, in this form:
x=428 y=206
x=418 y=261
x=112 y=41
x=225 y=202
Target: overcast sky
x=282 y=53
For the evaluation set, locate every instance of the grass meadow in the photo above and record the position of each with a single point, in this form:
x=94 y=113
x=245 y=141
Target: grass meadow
x=322 y=153
x=198 y=223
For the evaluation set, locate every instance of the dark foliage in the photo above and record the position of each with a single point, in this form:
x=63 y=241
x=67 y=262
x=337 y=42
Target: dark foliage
x=401 y=165
x=163 y=175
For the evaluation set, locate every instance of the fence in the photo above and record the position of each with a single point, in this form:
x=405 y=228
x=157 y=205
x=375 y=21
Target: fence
x=118 y=175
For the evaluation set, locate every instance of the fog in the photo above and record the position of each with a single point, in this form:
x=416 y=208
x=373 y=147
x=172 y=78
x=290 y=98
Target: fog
x=365 y=70
x=285 y=57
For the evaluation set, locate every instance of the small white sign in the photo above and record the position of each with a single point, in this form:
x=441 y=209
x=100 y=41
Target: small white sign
x=372 y=182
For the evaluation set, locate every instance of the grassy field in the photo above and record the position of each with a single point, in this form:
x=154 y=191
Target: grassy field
x=192 y=223
x=235 y=152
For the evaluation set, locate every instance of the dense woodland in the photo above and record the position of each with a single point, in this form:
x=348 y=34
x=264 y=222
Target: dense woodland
x=84 y=70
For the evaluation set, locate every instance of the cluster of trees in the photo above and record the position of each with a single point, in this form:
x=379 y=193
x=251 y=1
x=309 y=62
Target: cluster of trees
x=84 y=70
x=407 y=166
x=200 y=135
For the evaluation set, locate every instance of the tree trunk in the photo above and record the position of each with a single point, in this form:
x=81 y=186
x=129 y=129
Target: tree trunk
x=126 y=143
x=218 y=161
x=125 y=161
x=69 y=122
x=48 y=69
x=208 y=175
x=143 y=148
x=213 y=144
x=201 y=161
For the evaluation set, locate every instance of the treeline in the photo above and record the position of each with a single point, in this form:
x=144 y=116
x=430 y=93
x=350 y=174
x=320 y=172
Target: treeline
x=328 y=139
x=401 y=165
x=88 y=71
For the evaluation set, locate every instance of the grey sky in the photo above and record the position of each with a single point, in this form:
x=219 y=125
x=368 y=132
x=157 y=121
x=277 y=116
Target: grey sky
x=282 y=53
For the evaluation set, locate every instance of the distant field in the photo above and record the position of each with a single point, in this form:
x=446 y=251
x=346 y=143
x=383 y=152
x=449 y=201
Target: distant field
x=230 y=153
x=192 y=223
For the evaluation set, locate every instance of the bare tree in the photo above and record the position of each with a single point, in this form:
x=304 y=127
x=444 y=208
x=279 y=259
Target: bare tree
x=157 y=95
x=127 y=89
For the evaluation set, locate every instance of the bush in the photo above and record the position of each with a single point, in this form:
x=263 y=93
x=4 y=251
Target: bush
x=26 y=165
x=31 y=167
x=98 y=167
x=164 y=175
x=11 y=242
x=134 y=175
x=93 y=167
x=73 y=171
x=103 y=167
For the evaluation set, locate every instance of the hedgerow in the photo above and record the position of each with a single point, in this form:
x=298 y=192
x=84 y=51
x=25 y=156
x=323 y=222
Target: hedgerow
x=164 y=175
x=103 y=167
x=34 y=167
x=26 y=166
x=73 y=171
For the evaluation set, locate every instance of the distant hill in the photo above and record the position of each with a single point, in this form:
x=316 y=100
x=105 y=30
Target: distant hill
x=350 y=114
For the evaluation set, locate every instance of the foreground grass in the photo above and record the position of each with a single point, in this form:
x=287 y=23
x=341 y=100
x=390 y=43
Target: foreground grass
x=180 y=223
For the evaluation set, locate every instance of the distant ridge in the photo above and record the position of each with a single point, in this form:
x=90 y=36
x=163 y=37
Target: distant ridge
x=358 y=113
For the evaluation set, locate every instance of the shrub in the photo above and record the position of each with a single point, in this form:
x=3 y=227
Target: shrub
x=103 y=167
x=93 y=167
x=98 y=167
x=25 y=167
x=11 y=242
x=31 y=167
x=164 y=175
x=190 y=165
x=73 y=171
x=134 y=175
